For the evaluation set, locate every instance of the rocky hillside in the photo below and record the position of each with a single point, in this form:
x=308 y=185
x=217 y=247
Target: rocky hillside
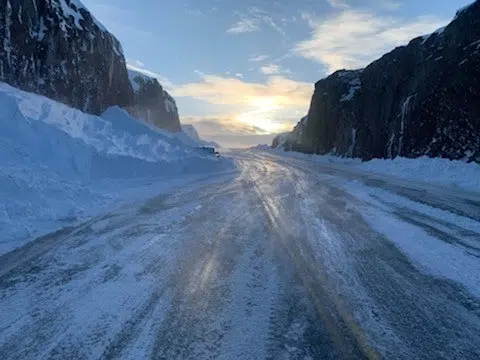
x=152 y=103
x=420 y=99
x=58 y=49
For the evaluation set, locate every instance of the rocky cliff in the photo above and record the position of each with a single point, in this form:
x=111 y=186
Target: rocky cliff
x=420 y=99
x=152 y=103
x=58 y=49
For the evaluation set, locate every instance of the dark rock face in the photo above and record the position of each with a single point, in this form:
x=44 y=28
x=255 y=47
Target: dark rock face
x=420 y=99
x=57 y=49
x=152 y=103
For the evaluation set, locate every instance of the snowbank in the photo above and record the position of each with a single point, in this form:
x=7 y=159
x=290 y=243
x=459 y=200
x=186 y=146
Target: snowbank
x=59 y=164
x=452 y=173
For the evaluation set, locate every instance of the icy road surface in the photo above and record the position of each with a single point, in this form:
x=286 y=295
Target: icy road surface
x=284 y=259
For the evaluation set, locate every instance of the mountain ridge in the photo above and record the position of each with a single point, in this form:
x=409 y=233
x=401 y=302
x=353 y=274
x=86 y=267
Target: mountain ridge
x=418 y=99
x=58 y=49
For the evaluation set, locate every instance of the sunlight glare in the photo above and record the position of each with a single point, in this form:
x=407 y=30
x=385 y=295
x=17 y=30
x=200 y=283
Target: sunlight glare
x=261 y=113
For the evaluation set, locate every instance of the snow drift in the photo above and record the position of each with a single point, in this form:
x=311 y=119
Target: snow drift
x=57 y=163
x=443 y=172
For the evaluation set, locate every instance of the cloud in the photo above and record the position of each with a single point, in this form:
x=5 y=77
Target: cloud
x=258 y=58
x=138 y=66
x=226 y=125
x=228 y=132
x=193 y=12
x=270 y=69
x=354 y=38
x=244 y=26
x=261 y=105
x=389 y=4
x=340 y=4
x=217 y=89
x=252 y=20
x=239 y=75
x=384 y=4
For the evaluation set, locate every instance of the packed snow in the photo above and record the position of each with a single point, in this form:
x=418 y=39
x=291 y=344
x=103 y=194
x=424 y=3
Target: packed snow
x=450 y=173
x=455 y=259
x=60 y=165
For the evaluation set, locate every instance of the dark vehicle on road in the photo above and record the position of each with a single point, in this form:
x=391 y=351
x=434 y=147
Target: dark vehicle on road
x=210 y=150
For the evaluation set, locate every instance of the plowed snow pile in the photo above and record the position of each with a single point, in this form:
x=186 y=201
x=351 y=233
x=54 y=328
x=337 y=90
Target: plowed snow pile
x=58 y=164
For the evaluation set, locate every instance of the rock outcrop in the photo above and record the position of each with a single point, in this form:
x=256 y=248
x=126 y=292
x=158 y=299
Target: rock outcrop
x=152 y=103
x=420 y=99
x=58 y=49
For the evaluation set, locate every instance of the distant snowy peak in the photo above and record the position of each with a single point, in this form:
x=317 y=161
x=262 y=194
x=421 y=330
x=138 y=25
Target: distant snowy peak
x=58 y=49
x=191 y=131
x=152 y=103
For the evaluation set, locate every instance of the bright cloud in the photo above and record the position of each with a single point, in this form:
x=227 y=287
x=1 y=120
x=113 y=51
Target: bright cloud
x=258 y=58
x=352 y=38
x=270 y=69
x=252 y=20
x=217 y=89
x=262 y=105
x=338 y=4
x=244 y=26
x=227 y=131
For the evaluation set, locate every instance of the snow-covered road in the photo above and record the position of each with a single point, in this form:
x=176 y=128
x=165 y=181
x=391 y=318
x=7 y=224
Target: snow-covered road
x=284 y=259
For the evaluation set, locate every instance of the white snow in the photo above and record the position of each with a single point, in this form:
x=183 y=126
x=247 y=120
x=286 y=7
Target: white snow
x=191 y=131
x=450 y=260
x=404 y=112
x=68 y=11
x=59 y=164
x=77 y=16
x=135 y=76
x=461 y=10
x=355 y=85
x=439 y=31
x=444 y=172
x=79 y=5
x=170 y=105
x=283 y=138
x=351 y=92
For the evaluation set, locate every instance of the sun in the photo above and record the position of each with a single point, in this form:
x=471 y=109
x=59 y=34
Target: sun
x=265 y=104
x=260 y=114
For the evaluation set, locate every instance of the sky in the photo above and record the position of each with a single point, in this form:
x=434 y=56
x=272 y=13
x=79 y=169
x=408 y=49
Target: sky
x=243 y=71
